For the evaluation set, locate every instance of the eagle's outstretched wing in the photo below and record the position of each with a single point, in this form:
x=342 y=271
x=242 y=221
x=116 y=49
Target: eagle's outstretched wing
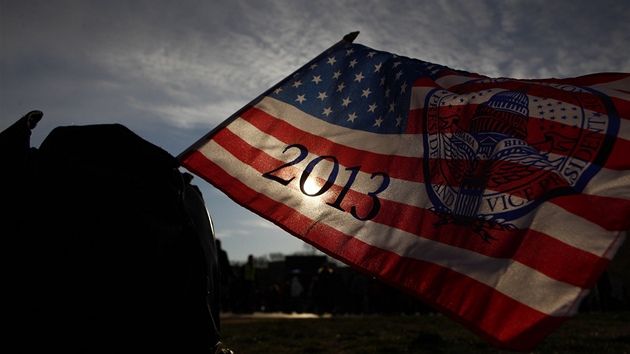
x=519 y=165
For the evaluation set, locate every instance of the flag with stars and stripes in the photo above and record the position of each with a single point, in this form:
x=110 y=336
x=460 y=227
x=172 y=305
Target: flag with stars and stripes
x=499 y=202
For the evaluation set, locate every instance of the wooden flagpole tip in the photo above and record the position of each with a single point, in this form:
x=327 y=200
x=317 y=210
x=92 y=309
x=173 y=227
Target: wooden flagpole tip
x=350 y=37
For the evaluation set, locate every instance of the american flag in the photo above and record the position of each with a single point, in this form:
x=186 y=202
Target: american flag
x=499 y=202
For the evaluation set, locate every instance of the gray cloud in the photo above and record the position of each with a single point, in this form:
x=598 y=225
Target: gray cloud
x=191 y=64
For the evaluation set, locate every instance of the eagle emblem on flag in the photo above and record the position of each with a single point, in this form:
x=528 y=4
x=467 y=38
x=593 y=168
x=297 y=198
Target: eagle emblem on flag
x=491 y=169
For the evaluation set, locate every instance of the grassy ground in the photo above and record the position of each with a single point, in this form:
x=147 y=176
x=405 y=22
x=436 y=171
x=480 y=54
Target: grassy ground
x=586 y=333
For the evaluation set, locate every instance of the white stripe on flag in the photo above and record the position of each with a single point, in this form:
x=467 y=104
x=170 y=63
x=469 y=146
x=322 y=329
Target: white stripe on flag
x=609 y=183
x=566 y=232
x=615 y=89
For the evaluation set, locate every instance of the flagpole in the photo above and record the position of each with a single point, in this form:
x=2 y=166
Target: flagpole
x=349 y=38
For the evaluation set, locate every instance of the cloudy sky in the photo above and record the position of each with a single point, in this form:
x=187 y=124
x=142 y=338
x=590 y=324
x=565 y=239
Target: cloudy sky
x=171 y=71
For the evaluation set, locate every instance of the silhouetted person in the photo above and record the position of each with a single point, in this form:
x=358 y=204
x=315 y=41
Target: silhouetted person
x=604 y=289
x=249 y=284
x=324 y=289
x=375 y=296
x=359 y=293
x=225 y=276
x=105 y=246
x=296 y=294
x=273 y=298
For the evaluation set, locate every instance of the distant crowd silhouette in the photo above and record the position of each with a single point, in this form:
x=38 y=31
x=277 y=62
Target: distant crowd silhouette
x=338 y=290
x=328 y=289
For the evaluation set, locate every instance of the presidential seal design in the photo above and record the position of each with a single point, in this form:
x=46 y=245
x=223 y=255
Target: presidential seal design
x=495 y=154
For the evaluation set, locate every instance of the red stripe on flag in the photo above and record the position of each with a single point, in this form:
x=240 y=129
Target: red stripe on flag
x=618 y=159
x=590 y=80
x=415 y=123
x=426 y=82
x=622 y=106
x=597 y=210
